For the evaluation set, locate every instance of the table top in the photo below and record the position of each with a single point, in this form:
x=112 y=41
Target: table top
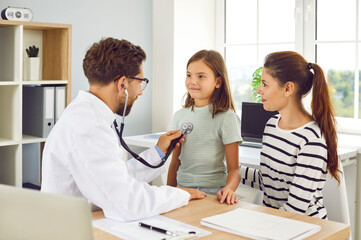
x=198 y=209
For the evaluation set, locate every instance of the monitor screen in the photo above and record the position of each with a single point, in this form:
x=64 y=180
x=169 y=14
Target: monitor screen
x=254 y=119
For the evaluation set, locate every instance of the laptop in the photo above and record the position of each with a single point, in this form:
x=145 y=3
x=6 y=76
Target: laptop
x=33 y=215
x=253 y=122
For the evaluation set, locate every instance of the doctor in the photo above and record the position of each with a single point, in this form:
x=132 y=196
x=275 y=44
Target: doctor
x=82 y=156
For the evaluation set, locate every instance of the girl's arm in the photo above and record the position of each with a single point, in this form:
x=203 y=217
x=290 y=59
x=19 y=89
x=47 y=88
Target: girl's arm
x=228 y=192
x=173 y=168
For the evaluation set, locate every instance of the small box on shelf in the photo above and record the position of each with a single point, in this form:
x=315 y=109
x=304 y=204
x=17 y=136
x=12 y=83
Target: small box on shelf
x=32 y=69
x=32 y=64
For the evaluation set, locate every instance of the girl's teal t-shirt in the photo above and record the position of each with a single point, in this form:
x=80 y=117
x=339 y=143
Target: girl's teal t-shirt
x=202 y=153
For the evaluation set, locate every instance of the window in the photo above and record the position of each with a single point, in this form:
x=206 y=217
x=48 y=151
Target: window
x=250 y=34
x=336 y=44
x=254 y=28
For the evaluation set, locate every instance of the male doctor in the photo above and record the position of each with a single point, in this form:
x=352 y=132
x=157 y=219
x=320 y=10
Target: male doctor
x=82 y=156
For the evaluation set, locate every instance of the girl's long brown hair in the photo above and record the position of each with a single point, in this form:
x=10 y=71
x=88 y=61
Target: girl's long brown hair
x=221 y=98
x=290 y=66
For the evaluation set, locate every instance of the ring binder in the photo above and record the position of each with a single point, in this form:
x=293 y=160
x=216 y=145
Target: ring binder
x=38 y=110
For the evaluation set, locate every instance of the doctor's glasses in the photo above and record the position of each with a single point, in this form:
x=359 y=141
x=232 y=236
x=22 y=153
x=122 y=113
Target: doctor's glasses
x=143 y=84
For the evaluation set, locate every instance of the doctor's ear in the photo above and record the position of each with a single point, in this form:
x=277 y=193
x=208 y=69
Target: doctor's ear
x=121 y=83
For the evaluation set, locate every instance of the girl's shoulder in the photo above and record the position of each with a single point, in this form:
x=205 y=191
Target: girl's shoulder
x=181 y=112
x=228 y=113
x=227 y=116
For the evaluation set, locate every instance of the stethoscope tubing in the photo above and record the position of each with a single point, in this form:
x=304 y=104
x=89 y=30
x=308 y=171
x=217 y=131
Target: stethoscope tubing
x=136 y=156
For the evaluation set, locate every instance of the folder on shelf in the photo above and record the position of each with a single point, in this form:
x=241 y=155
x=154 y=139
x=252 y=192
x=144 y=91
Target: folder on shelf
x=38 y=110
x=60 y=101
x=259 y=225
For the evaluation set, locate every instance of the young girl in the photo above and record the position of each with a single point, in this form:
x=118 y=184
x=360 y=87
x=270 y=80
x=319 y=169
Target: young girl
x=298 y=148
x=209 y=112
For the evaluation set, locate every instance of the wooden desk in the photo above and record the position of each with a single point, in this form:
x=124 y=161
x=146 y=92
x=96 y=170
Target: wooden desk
x=198 y=209
x=249 y=156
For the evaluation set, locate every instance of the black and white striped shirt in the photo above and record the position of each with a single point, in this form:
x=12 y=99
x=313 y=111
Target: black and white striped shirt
x=293 y=169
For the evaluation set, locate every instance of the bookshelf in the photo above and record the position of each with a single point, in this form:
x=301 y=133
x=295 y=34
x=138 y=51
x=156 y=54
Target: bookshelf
x=54 y=42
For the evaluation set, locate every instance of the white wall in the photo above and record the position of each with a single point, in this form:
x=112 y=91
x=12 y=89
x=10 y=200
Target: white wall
x=92 y=20
x=163 y=63
x=180 y=29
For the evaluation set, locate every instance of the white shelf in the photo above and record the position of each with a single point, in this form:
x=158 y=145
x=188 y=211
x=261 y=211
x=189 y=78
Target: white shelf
x=45 y=82
x=32 y=139
x=7 y=142
x=8 y=83
x=20 y=153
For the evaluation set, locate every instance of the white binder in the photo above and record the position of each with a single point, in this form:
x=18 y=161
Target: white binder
x=60 y=102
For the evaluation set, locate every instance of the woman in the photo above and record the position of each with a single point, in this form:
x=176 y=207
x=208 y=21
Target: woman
x=299 y=148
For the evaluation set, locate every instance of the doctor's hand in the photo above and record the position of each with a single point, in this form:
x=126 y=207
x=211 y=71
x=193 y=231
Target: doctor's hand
x=165 y=140
x=227 y=195
x=195 y=194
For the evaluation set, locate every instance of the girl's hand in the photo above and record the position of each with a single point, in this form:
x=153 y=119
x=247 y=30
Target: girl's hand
x=226 y=194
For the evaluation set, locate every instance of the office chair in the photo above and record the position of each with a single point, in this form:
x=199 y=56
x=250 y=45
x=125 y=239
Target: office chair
x=335 y=199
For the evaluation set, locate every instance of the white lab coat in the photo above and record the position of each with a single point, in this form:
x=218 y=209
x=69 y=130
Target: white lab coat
x=82 y=158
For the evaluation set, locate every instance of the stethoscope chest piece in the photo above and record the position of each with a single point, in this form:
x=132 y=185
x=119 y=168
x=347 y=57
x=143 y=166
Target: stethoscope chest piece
x=187 y=128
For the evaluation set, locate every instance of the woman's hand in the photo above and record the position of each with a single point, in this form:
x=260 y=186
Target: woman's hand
x=227 y=195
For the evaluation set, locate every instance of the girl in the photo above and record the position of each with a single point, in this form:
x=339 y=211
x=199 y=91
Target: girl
x=209 y=110
x=298 y=148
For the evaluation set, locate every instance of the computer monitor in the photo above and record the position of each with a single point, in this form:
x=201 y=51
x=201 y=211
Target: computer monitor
x=253 y=121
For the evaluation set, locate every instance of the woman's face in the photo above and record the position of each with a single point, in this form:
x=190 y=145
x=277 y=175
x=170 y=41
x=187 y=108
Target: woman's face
x=272 y=93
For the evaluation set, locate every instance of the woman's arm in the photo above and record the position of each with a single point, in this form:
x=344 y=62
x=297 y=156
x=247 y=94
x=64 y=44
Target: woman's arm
x=173 y=168
x=309 y=176
x=233 y=178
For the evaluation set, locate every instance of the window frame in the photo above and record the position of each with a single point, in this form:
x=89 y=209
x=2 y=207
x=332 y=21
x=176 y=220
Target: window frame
x=305 y=43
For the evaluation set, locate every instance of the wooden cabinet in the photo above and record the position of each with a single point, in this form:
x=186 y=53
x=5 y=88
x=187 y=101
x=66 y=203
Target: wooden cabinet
x=54 y=42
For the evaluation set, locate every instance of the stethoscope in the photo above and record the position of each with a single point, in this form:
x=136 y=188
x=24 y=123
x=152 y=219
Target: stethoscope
x=186 y=129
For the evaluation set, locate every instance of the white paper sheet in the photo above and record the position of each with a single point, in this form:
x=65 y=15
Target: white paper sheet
x=132 y=230
x=258 y=225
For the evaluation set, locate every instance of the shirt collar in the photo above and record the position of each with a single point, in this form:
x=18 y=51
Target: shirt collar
x=101 y=108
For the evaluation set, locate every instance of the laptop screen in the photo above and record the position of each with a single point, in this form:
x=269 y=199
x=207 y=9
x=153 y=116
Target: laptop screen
x=254 y=119
x=33 y=215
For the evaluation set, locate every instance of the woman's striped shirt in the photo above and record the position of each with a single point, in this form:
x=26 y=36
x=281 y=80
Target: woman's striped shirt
x=293 y=169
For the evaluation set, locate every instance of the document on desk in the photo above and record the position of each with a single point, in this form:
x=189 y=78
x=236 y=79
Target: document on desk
x=258 y=225
x=132 y=230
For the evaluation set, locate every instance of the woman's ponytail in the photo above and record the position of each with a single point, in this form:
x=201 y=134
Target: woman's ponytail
x=323 y=113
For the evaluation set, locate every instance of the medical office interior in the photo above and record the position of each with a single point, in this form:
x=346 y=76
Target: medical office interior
x=327 y=32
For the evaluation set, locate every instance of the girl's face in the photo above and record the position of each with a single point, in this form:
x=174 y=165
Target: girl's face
x=273 y=95
x=201 y=82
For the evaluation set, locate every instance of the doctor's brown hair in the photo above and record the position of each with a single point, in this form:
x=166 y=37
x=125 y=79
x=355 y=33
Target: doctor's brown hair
x=290 y=66
x=221 y=98
x=111 y=58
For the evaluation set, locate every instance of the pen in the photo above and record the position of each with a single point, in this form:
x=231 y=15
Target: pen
x=157 y=229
